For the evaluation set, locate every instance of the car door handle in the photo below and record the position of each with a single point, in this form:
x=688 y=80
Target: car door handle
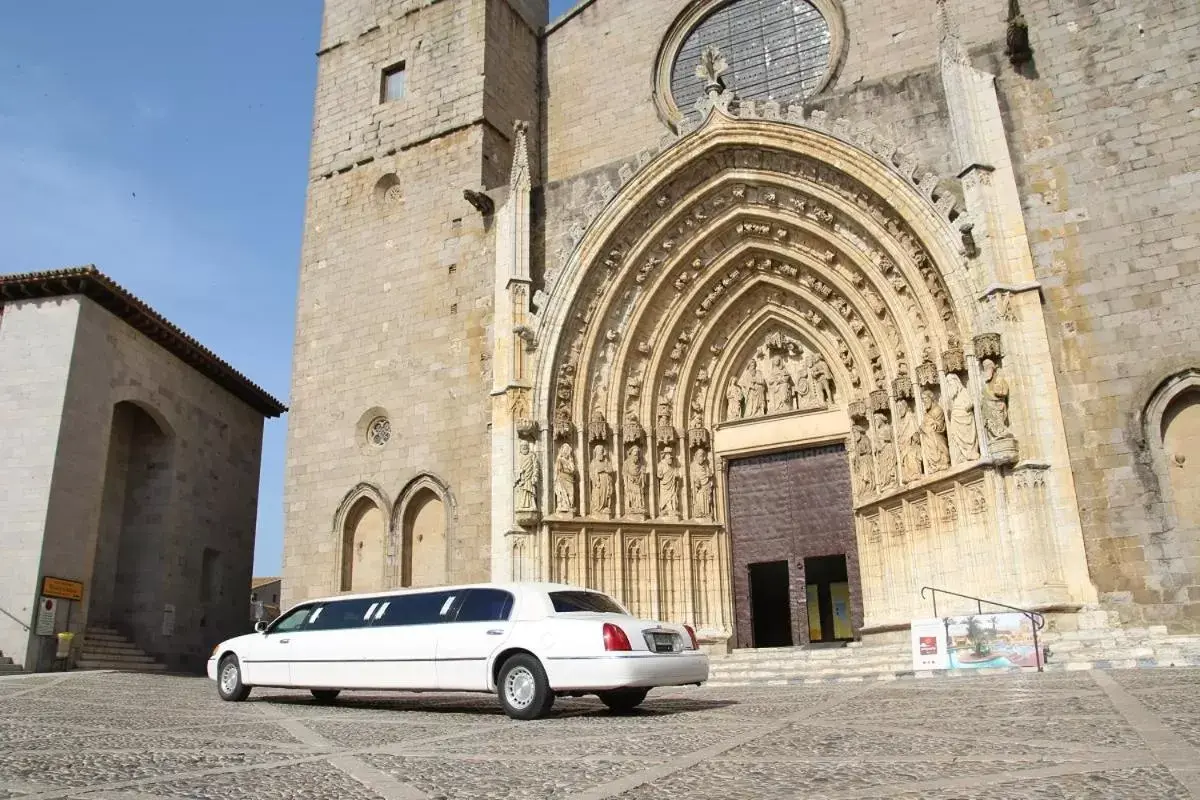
x=284 y=641
x=495 y=632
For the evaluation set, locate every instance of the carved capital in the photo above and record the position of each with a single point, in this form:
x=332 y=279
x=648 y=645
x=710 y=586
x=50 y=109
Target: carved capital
x=987 y=345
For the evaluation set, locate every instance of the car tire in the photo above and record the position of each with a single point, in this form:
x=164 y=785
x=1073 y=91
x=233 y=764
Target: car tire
x=229 y=680
x=325 y=695
x=523 y=688
x=622 y=701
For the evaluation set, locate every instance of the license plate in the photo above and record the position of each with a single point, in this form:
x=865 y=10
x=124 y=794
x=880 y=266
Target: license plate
x=664 y=643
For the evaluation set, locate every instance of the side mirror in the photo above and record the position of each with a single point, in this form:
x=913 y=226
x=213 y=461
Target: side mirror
x=260 y=627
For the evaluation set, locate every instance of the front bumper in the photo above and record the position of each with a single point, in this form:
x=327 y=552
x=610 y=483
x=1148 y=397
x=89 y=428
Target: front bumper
x=212 y=669
x=622 y=670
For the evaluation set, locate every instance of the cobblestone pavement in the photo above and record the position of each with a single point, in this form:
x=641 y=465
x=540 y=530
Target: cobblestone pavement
x=109 y=736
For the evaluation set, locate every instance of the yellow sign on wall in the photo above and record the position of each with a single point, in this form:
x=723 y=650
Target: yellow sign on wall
x=62 y=589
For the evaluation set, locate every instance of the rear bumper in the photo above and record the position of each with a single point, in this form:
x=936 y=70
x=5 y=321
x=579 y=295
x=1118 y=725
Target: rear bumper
x=620 y=670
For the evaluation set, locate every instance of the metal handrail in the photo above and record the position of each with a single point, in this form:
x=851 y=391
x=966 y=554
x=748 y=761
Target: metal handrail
x=1038 y=620
x=14 y=619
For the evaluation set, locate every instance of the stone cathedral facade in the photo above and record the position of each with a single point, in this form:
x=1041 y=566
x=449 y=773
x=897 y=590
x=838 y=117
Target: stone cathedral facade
x=757 y=315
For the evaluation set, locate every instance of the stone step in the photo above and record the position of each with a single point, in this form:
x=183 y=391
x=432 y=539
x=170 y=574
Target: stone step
x=10 y=668
x=114 y=638
x=122 y=666
x=125 y=658
x=105 y=647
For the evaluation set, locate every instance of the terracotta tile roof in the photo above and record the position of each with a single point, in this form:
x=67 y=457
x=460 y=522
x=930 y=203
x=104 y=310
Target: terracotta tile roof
x=94 y=284
x=256 y=583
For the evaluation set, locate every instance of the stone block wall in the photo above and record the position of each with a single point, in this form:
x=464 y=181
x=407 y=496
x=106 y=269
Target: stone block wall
x=1106 y=138
x=395 y=295
x=36 y=340
x=67 y=363
x=206 y=495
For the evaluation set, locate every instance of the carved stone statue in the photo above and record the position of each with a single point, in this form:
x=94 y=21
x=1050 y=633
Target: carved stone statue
x=633 y=480
x=864 y=461
x=964 y=437
x=781 y=387
x=755 y=387
x=995 y=401
x=702 y=485
x=602 y=474
x=669 y=478
x=821 y=379
x=564 y=481
x=885 y=454
x=528 y=471
x=908 y=436
x=934 y=449
x=733 y=400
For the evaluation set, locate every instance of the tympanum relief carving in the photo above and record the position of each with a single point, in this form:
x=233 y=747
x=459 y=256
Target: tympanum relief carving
x=781 y=376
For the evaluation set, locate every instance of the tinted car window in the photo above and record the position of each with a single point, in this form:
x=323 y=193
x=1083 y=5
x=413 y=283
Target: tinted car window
x=342 y=614
x=417 y=609
x=292 y=620
x=485 y=605
x=566 y=602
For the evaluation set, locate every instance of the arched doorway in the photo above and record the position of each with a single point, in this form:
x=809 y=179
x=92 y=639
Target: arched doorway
x=423 y=543
x=1181 y=446
x=765 y=291
x=135 y=517
x=363 y=536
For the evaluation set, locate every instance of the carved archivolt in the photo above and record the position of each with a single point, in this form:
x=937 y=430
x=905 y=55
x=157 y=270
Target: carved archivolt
x=753 y=271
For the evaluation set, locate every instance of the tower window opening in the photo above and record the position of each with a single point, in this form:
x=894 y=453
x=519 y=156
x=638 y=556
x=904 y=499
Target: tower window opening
x=394 y=83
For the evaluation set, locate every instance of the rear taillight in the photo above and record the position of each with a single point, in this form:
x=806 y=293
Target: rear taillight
x=615 y=638
x=692 y=634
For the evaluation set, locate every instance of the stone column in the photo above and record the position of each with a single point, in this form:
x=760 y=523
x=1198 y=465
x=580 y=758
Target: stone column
x=511 y=340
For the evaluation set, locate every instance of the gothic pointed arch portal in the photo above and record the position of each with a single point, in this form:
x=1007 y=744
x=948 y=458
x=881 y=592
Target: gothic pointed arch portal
x=757 y=287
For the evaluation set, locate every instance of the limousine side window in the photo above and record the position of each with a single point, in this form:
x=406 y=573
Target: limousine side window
x=426 y=608
x=343 y=614
x=292 y=620
x=485 y=605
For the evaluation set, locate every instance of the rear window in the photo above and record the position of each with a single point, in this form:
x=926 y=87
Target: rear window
x=566 y=602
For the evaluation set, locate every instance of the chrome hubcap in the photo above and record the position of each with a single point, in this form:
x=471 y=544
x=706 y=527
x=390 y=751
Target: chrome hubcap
x=519 y=687
x=229 y=678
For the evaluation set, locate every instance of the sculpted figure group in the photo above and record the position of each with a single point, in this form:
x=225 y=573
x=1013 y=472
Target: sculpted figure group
x=778 y=385
x=888 y=454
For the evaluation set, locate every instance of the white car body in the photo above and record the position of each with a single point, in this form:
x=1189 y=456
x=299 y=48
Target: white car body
x=468 y=644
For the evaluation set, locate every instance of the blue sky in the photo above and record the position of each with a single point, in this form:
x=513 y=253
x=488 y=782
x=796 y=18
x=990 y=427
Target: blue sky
x=167 y=143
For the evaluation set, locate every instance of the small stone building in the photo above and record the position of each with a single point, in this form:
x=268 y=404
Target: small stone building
x=759 y=314
x=129 y=462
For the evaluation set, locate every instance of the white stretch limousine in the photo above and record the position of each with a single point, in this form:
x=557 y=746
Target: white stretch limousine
x=528 y=642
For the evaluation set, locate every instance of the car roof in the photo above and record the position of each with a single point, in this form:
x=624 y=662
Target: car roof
x=515 y=588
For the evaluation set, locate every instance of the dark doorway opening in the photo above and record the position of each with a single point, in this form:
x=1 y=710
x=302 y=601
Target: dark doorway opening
x=770 y=604
x=827 y=597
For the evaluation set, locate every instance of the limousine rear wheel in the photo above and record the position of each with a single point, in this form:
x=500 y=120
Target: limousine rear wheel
x=524 y=691
x=623 y=700
x=325 y=695
x=229 y=680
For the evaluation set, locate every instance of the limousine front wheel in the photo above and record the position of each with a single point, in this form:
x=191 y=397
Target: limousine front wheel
x=524 y=691
x=229 y=680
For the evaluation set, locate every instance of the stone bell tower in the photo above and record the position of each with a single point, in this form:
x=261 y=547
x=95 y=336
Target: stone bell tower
x=387 y=479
